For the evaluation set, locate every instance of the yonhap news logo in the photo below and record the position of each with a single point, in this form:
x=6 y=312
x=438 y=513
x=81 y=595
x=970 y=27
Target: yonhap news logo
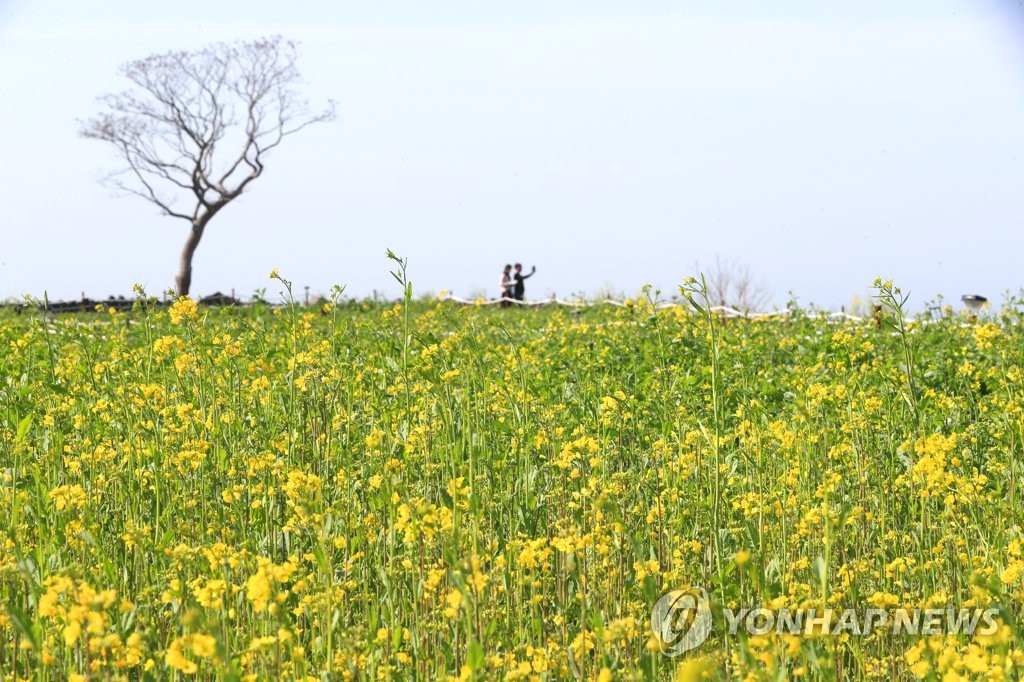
x=681 y=621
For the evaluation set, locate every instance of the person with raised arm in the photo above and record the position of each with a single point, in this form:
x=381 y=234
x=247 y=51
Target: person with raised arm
x=520 y=288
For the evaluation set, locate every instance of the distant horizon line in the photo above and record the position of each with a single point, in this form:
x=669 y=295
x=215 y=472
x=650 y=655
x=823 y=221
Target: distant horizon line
x=306 y=295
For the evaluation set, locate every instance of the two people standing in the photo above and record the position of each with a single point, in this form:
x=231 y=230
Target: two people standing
x=512 y=286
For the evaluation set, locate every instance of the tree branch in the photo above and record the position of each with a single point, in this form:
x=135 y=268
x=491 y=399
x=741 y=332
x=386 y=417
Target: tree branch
x=194 y=121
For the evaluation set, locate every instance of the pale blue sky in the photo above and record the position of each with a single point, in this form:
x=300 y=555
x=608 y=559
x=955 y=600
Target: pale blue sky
x=610 y=144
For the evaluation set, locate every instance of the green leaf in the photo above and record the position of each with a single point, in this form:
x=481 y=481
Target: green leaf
x=820 y=571
x=475 y=656
x=23 y=426
x=24 y=625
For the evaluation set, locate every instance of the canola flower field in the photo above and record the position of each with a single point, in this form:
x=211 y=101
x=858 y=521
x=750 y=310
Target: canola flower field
x=426 y=491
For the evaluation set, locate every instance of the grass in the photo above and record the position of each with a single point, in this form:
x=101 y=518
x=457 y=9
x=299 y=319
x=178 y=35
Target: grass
x=421 y=490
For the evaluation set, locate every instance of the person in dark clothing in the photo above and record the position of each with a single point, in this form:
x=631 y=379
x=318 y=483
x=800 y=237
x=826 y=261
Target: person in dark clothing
x=520 y=290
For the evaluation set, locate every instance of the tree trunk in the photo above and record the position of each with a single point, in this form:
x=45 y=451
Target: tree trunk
x=184 y=278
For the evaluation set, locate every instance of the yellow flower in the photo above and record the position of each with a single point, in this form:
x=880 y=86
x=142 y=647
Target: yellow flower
x=1012 y=573
x=71 y=632
x=175 y=657
x=260 y=586
x=204 y=645
x=883 y=600
x=986 y=333
x=68 y=497
x=701 y=668
x=454 y=600
x=183 y=309
x=257 y=587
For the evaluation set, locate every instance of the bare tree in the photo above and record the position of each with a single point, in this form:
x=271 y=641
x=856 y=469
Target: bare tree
x=195 y=129
x=731 y=284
